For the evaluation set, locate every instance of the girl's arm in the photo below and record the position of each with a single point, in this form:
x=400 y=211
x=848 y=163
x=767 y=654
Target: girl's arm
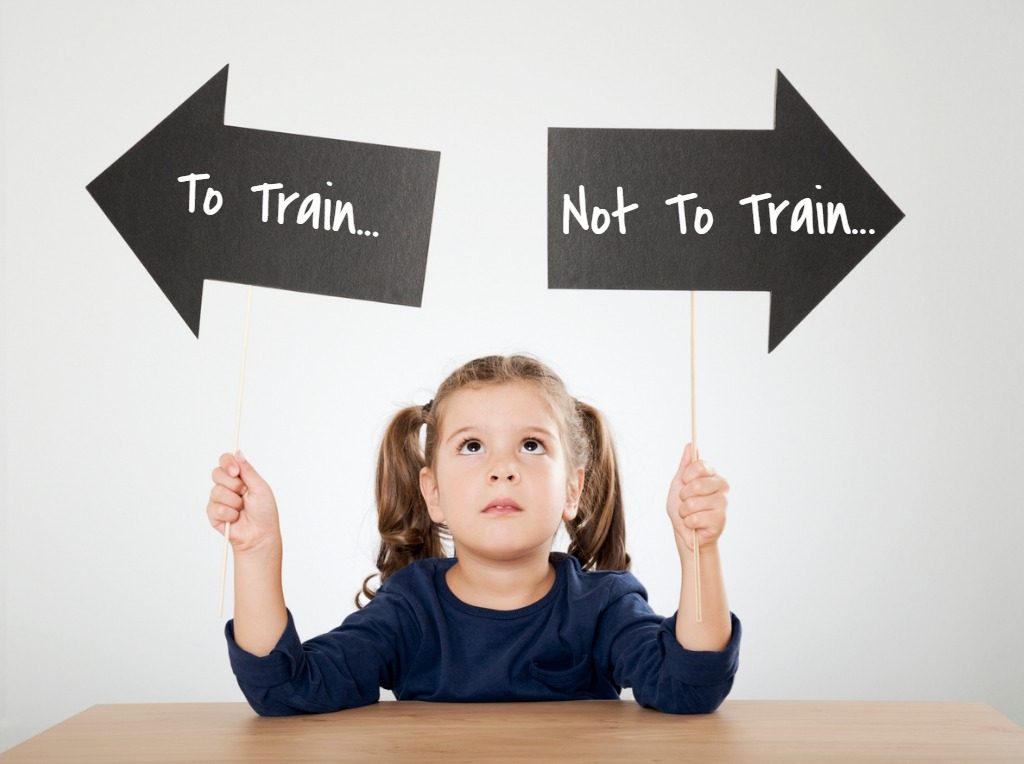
x=240 y=496
x=697 y=500
x=644 y=652
x=715 y=628
x=260 y=616
x=278 y=674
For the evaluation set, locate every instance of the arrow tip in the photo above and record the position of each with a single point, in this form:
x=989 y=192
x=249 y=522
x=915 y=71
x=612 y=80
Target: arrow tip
x=137 y=206
x=808 y=152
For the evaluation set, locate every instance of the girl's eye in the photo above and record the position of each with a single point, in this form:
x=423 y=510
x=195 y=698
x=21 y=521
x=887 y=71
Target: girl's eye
x=533 y=446
x=470 y=446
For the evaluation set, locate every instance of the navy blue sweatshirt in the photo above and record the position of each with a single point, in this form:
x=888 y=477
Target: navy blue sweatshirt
x=591 y=635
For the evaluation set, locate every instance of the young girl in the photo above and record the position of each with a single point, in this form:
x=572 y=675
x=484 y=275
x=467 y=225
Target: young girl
x=507 y=455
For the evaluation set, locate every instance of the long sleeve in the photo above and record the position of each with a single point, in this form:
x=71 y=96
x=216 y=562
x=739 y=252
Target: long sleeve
x=344 y=668
x=643 y=653
x=591 y=635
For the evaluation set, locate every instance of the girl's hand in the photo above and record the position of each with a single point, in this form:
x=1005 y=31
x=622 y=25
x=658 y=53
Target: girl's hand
x=696 y=499
x=241 y=497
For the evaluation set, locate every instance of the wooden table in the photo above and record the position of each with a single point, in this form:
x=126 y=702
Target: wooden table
x=587 y=730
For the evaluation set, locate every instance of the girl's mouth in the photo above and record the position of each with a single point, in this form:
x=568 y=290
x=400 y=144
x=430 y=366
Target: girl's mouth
x=502 y=507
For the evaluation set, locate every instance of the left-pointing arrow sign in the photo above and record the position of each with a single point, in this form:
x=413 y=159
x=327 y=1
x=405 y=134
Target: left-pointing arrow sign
x=197 y=199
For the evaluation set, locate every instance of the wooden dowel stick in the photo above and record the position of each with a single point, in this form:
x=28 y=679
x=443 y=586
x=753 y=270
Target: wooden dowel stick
x=238 y=425
x=693 y=440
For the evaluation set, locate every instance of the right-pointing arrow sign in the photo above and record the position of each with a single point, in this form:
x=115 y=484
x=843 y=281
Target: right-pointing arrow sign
x=787 y=210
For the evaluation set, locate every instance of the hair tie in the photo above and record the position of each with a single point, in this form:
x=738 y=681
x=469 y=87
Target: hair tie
x=426 y=406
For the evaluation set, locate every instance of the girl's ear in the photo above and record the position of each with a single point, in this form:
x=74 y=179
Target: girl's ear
x=573 y=493
x=428 y=487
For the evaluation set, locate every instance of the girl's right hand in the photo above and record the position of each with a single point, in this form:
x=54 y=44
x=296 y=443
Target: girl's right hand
x=244 y=499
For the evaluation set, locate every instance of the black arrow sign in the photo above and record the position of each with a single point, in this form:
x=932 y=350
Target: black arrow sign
x=597 y=242
x=327 y=216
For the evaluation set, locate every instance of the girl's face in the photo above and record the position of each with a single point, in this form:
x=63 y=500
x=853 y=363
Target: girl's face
x=500 y=443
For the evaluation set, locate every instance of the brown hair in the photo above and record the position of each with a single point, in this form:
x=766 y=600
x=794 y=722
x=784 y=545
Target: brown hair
x=597 y=535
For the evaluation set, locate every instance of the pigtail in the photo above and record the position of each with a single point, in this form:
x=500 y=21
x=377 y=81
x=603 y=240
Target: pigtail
x=597 y=535
x=407 y=532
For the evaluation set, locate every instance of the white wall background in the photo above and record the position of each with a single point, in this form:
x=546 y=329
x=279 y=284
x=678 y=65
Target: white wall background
x=873 y=547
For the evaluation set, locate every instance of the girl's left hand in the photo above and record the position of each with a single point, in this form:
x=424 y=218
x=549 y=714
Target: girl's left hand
x=696 y=499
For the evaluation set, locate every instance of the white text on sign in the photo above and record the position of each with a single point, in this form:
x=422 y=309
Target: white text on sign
x=804 y=216
x=315 y=209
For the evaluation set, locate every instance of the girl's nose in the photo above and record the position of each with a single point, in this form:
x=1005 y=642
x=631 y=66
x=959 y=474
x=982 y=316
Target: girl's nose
x=504 y=473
